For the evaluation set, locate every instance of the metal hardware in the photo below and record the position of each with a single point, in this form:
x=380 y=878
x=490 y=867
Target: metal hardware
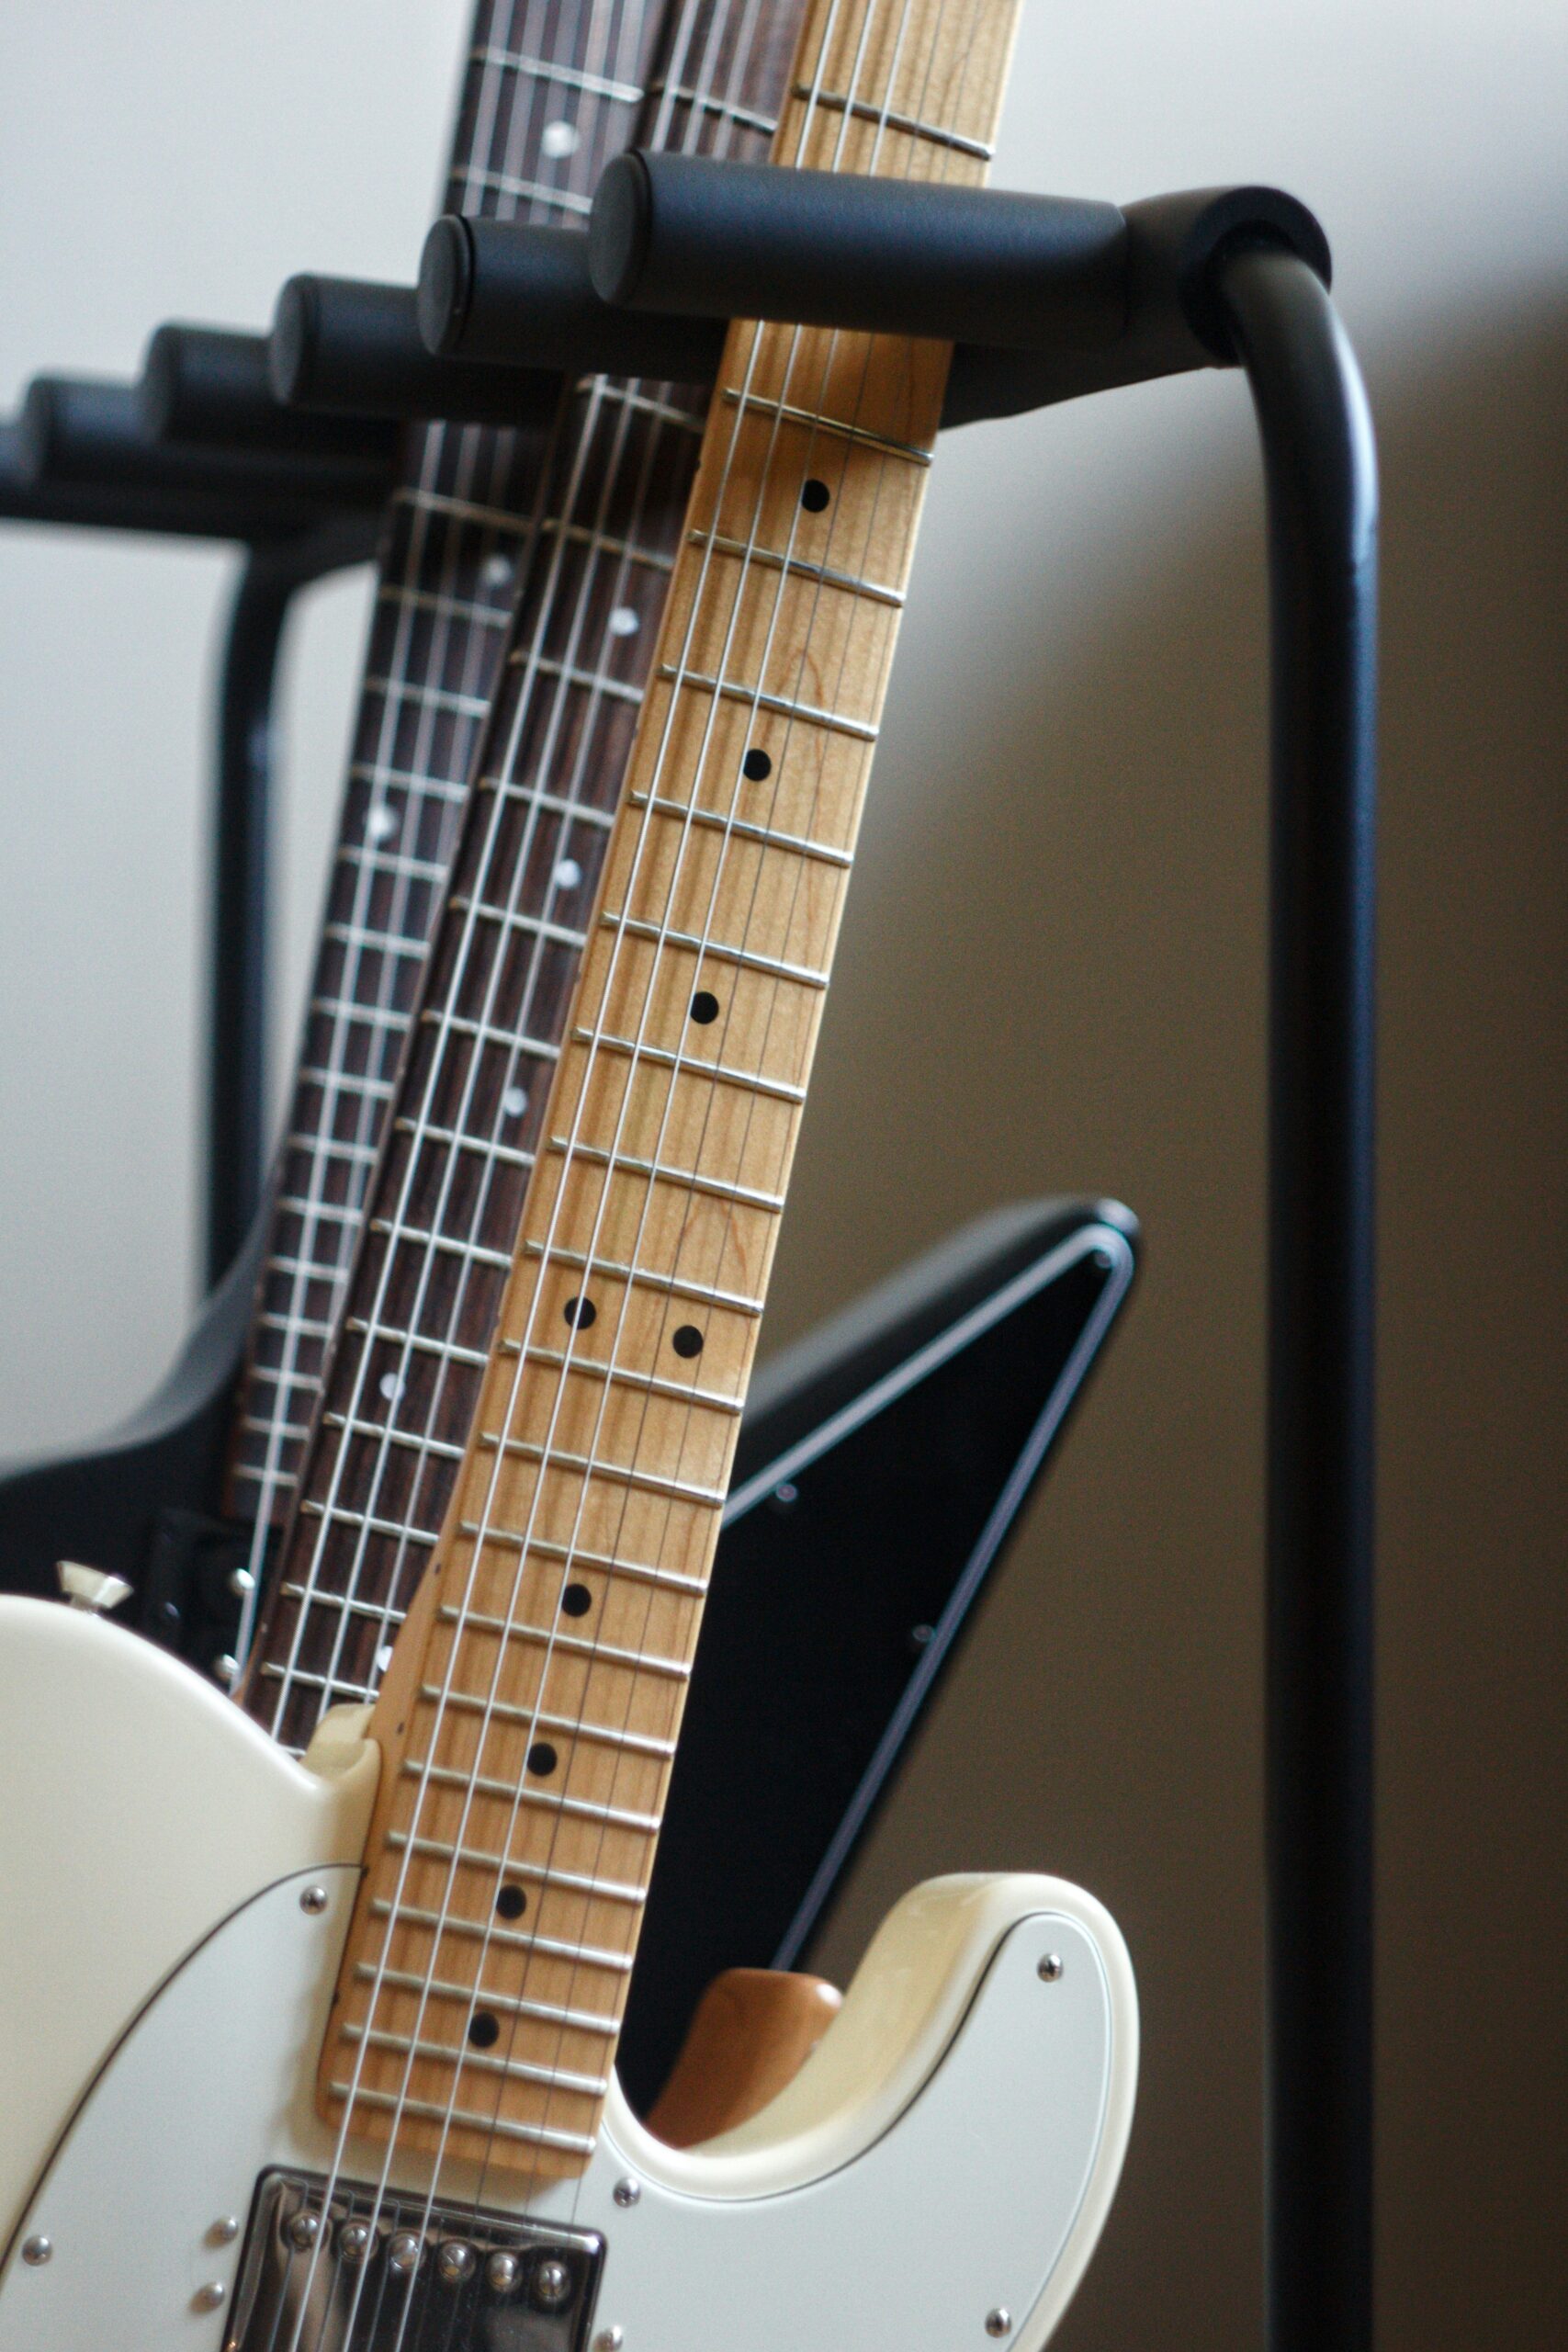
x=211 y=2297
x=93 y=1589
x=37 y=2251
x=628 y=2191
x=224 y=2232
x=378 y=2272
x=314 y=1900
x=609 y=2339
x=241 y=1583
x=999 y=2321
x=1050 y=1967
x=225 y=1668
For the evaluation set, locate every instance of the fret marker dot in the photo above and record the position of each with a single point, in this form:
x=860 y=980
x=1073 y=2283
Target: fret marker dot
x=576 y=1600
x=756 y=768
x=381 y=823
x=511 y=1902
x=625 y=621
x=542 y=1759
x=580 y=1313
x=705 y=1008
x=484 y=2030
x=383 y=1657
x=560 y=138
x=496 y=572
x=568 y=874
x=514 y=1102
x=814 y=496
x=687 y=1340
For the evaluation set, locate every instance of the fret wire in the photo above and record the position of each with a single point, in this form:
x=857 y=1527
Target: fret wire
x=736 y=690
x=680 y=1284
x=646 y=1482
x=401 y=864
x=369 y=1016
x=498 y=519
x=344 y=1081
x=655 y=1385
x=622 y=1163
x=618 y=1816
x=575 y=1556
x=420 y=1237
x=515 y=2070
x=540 y=1719
x=544 y=69
x=253 y=1423
x=396 y=779
x=308 y=1327
x=509 y=919
x=504 y=1155
x=672 y=1669
x=358 y=2094
x=587 y=681
x=503 y=2004
x=776 y=1089
x=449 y=1348
x=534 y=191
x=835 y=427
x=745 y=957
x=834 y=102
x=581 y=812
x=745 y=117
x=606 y=1889
x=488 y=1034
x=797 y=567
x=718 y=821
x=381 y=942
x=430 y=697
x=457 y=609
x=352 y=1425
x=330 y=1211
x=331 y=1147
x=602 y=543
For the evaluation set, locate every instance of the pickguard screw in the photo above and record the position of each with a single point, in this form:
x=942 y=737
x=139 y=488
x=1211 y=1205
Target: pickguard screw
x=313 y=1900
x=626 y=2192
x=1050 y=1967
x=37 y=2252
x=225 y=2232
x=609 y=2339
x=999 y=2321
x=209 y=2298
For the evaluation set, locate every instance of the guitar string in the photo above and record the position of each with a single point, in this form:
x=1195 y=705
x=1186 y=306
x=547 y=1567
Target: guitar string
x=291 y=1664
x=439 y=1218
x=421 y=792
x=688 y=828
x=358 y=2065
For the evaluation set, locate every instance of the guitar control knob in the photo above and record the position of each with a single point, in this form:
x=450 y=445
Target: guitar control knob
x=93 y=1589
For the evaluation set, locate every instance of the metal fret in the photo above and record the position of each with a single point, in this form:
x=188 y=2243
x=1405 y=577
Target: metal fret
x=573 y=1556
x=816 y=422
x=370 y=1016
x=381 y=942
x=517 y=1449
x=544 y=69
x=503 y=2004
x=499 y=519
x=747 y=118
x=422 y=1238
x=488 y=1034
x=605 y=1890
x=795 y=566
x=352 y=1082
x=505 y=1154
x=800 y=843
x=745 y=957
x=674 y=1669
x=531 y=191
x=508 y=919
x=736 y=690
x=400 y=865
x=604 y=543
x=552 y=803
x=352 y=1425
x=447 y=1349
x=454 y=608
x=622 y=1163
x=539 y=2135
x=590 y=681
x=345 y=1603
x=333 y=1148
x=618 y=1816
x=432 y=697
x=338 y=1515
x=777 y=1088
x=515 y=2070
x=834 y=102
x=651 y=1382
x=303 y=1327
x=426 y=787
x=636 y=1742
x=676 y=1284
x=331 y=1212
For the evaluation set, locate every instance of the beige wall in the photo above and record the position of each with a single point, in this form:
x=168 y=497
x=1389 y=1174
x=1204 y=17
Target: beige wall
x=1069 y=803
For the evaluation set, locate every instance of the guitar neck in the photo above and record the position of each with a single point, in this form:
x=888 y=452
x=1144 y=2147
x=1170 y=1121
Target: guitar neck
x=547 y=98
x=441 y=1215
x=529 y=1721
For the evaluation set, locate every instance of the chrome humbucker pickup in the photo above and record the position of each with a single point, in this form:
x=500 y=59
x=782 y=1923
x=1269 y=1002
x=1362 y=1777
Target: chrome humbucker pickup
x=341 y=2267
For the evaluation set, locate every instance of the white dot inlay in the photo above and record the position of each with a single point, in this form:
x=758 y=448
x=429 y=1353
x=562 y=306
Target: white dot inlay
x=496 y=572
x=383 y=822
x=625 y=621
x=514 y=1102
x=383 y=1657
x=392 y=1387
x=568 y=874
x=561 y=139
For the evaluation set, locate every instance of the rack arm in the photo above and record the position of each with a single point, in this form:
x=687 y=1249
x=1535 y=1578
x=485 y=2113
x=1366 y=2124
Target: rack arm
x=1320 y=470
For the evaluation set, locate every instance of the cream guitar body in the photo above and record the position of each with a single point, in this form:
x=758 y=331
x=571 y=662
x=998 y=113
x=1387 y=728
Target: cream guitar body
x=176 y=1893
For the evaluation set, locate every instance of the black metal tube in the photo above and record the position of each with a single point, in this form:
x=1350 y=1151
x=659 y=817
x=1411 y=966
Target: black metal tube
x=1320 y=467
x=350 y=345
x=238 y=953
x=211 y=388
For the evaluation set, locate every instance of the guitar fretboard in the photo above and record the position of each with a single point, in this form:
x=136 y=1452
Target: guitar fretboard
x=463 y=1122
x=549 y=92
x=528 y=1719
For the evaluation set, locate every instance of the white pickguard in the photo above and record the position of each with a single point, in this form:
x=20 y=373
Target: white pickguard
x=950 y=2151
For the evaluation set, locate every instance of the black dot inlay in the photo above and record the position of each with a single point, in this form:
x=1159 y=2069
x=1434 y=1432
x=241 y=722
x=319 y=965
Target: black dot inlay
x=576 y=1600
x=687 y=1340
x=704 y=1007
x=542 y=1759
x=580 y=1313
x=756 y=768
x=511 y=1902
x=484 y=2030
x=814 y=496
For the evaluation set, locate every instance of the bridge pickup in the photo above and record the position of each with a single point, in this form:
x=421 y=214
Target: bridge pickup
x=349 y=2271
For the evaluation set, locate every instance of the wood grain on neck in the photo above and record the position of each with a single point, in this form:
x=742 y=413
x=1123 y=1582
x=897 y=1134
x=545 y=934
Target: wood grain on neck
x=528 y=1719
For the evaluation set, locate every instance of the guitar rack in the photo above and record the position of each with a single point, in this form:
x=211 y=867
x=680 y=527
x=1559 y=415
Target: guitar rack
x=285 y=443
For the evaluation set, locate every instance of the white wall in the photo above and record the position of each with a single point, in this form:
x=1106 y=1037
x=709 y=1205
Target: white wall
x=1068 y=796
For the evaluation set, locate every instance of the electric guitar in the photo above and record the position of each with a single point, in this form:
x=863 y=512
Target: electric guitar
x=416 y=2136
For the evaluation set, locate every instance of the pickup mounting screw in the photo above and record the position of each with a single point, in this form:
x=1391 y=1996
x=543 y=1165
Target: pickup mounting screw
x=628 y=2191
x=1050 y=1967
x=35 y=2252
x=313 y=1900
x=999 y=2321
